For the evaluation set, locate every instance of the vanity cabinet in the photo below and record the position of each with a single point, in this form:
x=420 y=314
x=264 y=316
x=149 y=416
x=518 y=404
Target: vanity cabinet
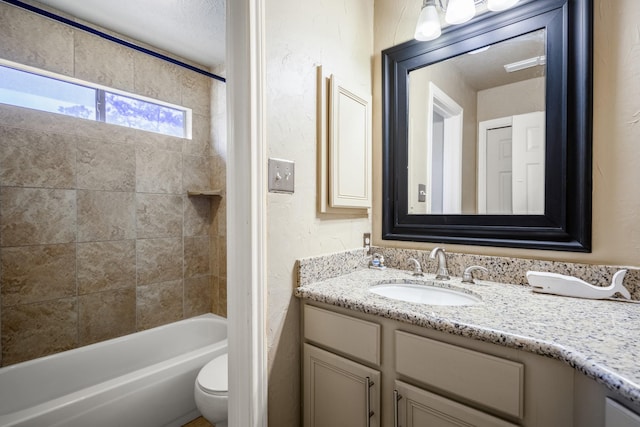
x=411 y=376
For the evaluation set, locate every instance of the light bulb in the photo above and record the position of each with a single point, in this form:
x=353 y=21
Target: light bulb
x=460 y=11
x=498 y=5
x=428 y=27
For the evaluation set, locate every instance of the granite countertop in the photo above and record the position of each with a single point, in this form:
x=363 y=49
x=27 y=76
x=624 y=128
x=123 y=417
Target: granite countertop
x=597 y=337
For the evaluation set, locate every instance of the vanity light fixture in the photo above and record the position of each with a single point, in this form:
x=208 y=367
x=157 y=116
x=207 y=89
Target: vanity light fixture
x=455 y=12
x=526 y=63
x=459 y=11
x=428 y=27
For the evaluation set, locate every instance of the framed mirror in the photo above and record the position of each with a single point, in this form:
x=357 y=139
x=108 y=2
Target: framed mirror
x=487 y=131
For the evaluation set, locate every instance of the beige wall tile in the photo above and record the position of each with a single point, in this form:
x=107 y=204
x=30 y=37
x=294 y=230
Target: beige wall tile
x=105 y=315
x=159 y=304
x=196 y=256
x=218 y=171
x=159 y=260
x=222 y=296
x=105 y=166
x=37 y=273
x=222 y=255
x=196 y=172
x=214 y=294
x=157 y=79
x=197 y=216
x=159 y=215
x=105 y=215
x=31 y=216
x=158 y=141
x=32 y=40
x=158 y=171
x=198 y=296
x=36 y=159
x=51 y=123
x=196 y=92
x=219 y=225
x=106 y=265
x=35 y=330
x=200 y=142
x=214 y=255
x=100 y=61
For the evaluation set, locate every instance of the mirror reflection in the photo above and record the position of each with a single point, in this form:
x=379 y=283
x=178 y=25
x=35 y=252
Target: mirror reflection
x=477 y=131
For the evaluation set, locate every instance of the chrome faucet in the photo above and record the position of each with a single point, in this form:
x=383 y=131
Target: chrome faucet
x=417 y=268
x=442 y=273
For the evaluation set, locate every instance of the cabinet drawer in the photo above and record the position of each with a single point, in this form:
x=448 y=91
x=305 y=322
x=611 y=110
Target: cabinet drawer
x=348 y=335
x=488 y=380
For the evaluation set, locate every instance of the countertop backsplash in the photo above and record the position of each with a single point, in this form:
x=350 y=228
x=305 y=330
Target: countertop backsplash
x=501 y=269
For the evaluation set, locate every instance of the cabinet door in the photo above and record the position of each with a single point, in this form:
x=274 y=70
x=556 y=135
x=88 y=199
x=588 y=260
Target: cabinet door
x=617 y=415
x=339 y=392
x=418 y=408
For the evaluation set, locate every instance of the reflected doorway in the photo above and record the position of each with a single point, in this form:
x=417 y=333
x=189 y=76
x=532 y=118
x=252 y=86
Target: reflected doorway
x=511 y=161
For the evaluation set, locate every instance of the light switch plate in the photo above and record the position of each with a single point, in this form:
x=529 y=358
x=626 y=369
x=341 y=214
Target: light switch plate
x=281 y=176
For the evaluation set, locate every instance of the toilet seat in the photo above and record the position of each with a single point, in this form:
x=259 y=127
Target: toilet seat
x=213 y=377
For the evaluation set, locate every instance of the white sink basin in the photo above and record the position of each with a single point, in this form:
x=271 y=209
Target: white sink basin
x=424 y=294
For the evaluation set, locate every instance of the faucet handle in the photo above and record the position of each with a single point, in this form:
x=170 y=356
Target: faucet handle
x=417 y=267
x=467 y=276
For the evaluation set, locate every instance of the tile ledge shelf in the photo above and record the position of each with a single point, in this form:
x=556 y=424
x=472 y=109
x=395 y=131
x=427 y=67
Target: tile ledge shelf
x=204 y=193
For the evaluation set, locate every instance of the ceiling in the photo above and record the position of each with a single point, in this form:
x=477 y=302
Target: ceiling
x=191 y=29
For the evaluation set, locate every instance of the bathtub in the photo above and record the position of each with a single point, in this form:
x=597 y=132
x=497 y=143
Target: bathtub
x=142 y=379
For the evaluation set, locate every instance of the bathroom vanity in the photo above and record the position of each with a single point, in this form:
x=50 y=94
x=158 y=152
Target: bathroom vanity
x=515 y=359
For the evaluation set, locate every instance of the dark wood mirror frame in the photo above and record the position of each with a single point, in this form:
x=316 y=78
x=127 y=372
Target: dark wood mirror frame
x=566 y=224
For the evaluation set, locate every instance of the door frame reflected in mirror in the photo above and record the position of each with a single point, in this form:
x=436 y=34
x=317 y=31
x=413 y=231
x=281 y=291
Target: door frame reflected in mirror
x=566 y=223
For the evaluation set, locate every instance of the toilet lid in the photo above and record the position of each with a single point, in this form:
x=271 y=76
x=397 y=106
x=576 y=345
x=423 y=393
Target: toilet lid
x=214 y=376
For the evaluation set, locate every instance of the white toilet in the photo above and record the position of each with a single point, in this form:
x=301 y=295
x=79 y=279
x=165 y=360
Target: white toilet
x=211 y=391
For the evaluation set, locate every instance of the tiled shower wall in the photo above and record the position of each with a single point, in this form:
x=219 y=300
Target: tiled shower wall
x=97 y=236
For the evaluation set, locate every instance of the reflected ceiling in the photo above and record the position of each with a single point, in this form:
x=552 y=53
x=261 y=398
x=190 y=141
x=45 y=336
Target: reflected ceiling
x=485 y=69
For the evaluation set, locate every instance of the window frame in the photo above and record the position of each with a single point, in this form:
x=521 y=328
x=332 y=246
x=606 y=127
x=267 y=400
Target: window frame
x=100 y=98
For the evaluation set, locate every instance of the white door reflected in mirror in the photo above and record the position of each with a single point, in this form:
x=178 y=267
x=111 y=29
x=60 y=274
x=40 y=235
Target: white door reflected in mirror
x=511 y=152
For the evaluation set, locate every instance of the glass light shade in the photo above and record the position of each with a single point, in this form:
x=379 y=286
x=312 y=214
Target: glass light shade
x=428 y=27
x=460 y=11
x=498 y=5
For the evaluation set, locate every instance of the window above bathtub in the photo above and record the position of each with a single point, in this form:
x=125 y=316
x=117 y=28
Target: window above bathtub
x=29 y=87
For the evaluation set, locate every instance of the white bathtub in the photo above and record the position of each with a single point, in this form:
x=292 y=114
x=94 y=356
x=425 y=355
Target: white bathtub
x=142 y=379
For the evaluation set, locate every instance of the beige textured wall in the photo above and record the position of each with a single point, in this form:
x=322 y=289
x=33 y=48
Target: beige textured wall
x=616 y=127
x=299 y=36
x=97 y=236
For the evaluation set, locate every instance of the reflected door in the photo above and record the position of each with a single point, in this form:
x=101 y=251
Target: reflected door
x=511 y=164
x=499 y=171
x=528 y=163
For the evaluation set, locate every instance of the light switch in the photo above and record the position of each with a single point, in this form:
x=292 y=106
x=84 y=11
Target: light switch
x=281 y=176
